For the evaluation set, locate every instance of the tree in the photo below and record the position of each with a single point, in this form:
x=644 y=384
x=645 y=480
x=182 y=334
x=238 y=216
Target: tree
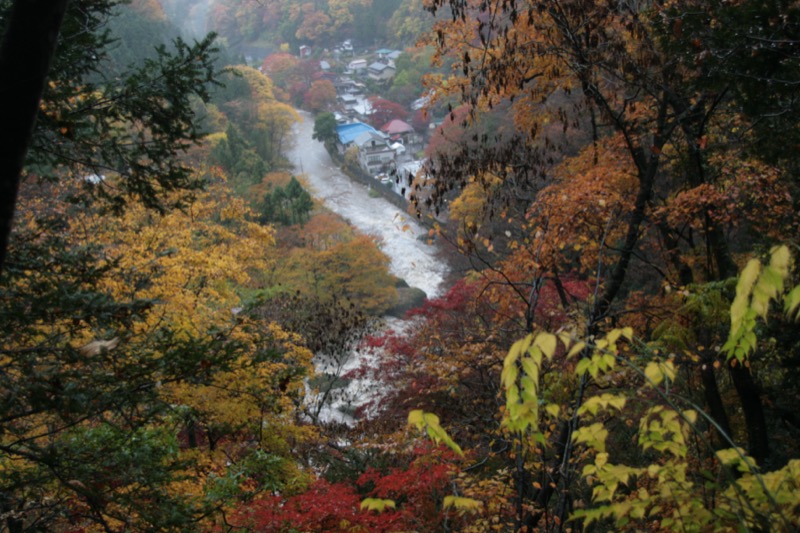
x=325 y=128
x=315 y=26
x=404 y=494
x=406 y=86
x=409 y=22
x=288 y=206
x=136 y=308
x=621 y=116
x=29 y=42
x=86 y=436
x=258 y=125
x=332 y=328
x=383 y=111
x=320 y=96
x=354 y=270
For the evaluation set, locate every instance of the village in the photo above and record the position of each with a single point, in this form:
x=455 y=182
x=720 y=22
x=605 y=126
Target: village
x=389 y=153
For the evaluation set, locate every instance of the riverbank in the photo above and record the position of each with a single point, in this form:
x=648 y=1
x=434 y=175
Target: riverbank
x=403 y=238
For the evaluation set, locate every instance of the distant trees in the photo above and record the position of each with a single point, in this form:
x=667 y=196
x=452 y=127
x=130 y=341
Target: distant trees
x=409 y=22
x=287 y=206
x=117 y=297
x=279 y=65
x=285 y=21
x=383 y=111
x=353 y=269
x=299 y=81
x=258 y=125
x=320 y=96
x=412 y=65
x=325 y=128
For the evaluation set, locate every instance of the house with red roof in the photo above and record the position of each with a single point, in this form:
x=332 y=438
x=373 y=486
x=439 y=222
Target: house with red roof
x=401 y=131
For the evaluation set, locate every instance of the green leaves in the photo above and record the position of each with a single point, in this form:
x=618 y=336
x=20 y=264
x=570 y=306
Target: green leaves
x=429 y=423
x=657 y=371
x=735 y=457
x=376 y=504
x=325 y=128
x=520 y=379
x=663 y=430
x=792 y=304
x=603 y=357
x=604 y=401
x=461 y=503
x=758 y=286
x=593 y=436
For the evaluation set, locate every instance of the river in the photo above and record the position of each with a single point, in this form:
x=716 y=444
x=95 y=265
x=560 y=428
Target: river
x=401 y=236
x=402 y=239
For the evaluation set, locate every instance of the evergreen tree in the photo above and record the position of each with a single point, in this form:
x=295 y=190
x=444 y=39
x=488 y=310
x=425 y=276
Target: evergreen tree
x=287 y=205
x=325 y=128
x=79 y=381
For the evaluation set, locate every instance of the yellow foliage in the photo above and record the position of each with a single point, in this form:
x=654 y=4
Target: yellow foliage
x=190 y=263
x=429 y=422
x=376 y=504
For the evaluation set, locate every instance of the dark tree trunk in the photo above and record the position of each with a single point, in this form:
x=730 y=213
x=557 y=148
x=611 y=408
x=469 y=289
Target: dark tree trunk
x=750 y=396
x=551 y=476
x=721 y=266
x=714 y=400
x=25 y=57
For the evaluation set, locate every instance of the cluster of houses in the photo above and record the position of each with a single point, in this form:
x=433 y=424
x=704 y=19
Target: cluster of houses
x=382 y=69
x=379 y=151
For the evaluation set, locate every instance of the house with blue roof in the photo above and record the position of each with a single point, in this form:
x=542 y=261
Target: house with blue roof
x=348 y=132
x=375 y=153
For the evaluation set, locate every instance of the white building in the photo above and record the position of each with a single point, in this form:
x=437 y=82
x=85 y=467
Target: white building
x=375 y=155
x=357 y=65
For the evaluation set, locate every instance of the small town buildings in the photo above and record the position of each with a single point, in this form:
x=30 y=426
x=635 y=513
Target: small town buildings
x=420 y=103
x=357 y=65
x=349 y=101
x=375 y=153
x=345 y=85
x=347 y=134
x=401 y=131
x=388 y=55
x=380 y=71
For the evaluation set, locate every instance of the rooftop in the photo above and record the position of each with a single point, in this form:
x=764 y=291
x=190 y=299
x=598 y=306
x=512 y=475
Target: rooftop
x=348 y=132
x=371 y=138
x=397 y=126
x=379 y=67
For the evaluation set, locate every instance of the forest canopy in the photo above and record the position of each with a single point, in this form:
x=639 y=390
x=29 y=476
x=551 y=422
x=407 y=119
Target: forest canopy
x=613 y=184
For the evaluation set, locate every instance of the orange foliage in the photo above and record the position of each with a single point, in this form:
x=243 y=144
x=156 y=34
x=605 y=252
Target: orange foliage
x=747 y=193
x=582 y=213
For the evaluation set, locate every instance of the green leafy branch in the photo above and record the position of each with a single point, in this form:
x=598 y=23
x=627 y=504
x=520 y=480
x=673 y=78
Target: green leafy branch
x=429 y=423
x=757 y=287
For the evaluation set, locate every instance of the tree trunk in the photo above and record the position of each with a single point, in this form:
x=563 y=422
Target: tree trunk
x=25 y=57
x=750 y=396
x=714 y=400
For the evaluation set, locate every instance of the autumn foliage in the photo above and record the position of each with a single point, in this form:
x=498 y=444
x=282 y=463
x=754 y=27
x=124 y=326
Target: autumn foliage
x=616 y=347
x=414 y=489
